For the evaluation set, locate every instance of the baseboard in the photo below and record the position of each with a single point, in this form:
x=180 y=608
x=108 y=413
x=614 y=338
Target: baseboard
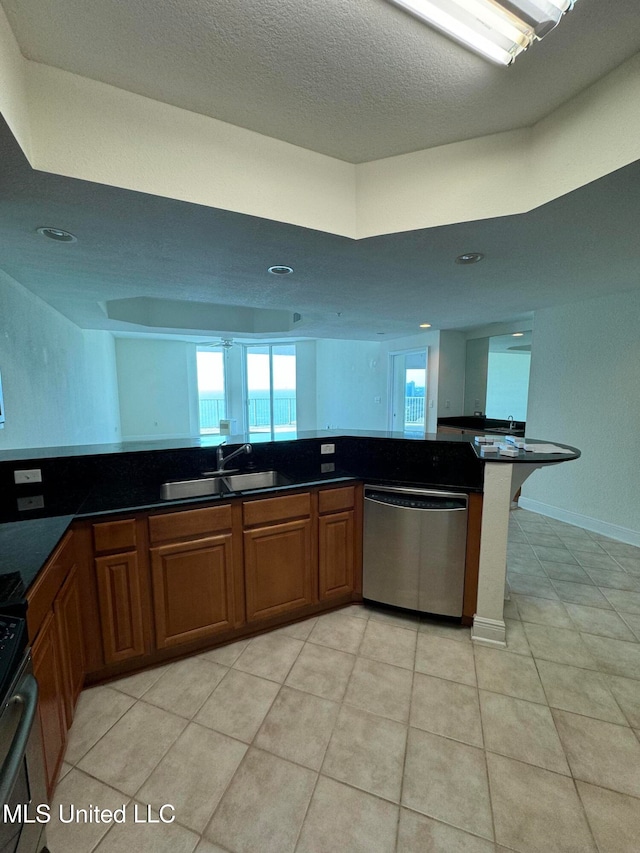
x=613 y=531
x=489 y=632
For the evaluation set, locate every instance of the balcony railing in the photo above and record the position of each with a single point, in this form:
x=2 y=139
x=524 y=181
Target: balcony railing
x=414 y=411
x=284 y=413
x=259 y=413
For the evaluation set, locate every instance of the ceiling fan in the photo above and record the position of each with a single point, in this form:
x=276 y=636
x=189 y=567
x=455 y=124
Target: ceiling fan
x=224 y=343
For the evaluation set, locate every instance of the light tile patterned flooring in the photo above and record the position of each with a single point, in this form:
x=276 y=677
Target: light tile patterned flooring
x=366 y=732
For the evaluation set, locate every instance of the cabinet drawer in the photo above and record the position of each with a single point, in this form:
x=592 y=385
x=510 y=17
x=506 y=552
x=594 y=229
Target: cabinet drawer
x=191 y=522
x=115 y=535
x=50 y=579
x=269 y=510
x=335 y=500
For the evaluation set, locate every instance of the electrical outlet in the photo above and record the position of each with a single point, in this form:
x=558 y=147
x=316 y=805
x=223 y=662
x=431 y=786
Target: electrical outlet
x=31 y=475
x=327 y=467
x=326 y=449
x=447 y=404
x=32 y=502
x=431 y=404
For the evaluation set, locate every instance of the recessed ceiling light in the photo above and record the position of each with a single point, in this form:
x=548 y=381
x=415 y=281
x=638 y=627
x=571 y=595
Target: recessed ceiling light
x=517 y=334
x=280 y=269
x=57 y=234
x=469 y=258
x=425 y=325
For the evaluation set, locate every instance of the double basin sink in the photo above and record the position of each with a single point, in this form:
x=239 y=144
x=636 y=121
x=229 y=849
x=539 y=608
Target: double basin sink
x=221 y=483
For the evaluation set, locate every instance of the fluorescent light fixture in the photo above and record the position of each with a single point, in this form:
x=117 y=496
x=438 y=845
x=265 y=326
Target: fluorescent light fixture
x=542 y=15
x=499 y=31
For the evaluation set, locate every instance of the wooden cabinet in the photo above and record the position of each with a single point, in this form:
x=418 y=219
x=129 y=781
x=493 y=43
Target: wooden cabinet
x=47 y=668
x=159 y=584
x=279 y=564
x=339 y=542
x=68 y=619
x=121 y=616
x=119 y=584
x=336 y=554
x=192 y=581
x=55 y=630
x=278 y=568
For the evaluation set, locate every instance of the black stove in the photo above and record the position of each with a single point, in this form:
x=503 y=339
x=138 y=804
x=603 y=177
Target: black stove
x=13 y=627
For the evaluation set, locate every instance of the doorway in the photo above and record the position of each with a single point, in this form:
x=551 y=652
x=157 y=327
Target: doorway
x=408 y=393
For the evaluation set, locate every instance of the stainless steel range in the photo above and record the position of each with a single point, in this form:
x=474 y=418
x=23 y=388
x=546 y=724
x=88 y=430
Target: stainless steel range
x=22 y=780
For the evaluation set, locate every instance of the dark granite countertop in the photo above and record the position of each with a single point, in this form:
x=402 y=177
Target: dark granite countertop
x=107 y=479
x=26 y=545
x=531 y=456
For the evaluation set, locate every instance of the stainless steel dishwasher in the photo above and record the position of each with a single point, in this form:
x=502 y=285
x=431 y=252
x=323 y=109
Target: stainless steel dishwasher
x=414 y=548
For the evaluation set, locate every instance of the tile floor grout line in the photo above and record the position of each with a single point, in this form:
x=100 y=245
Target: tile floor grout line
x=586 y=815
x=485 y=751
x=406 y=746
x=75 y=764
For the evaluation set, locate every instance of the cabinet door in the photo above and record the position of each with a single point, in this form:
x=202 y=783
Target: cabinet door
x=336 y=554
x=47 y=669
x=68 y=616
x=120 y=606
x=278 y=568
x=192 y=589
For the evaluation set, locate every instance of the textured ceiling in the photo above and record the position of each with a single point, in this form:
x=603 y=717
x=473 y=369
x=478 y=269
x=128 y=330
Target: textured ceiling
x=130 y=245
x=358 y=80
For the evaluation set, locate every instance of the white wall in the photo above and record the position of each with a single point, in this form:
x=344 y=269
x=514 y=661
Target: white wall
x=158 y=388
x=453 y=349
x=585 y=391
x=350 y=375
x=13 y=86
x=59 y=381
x=475 y=377
x=508 y=385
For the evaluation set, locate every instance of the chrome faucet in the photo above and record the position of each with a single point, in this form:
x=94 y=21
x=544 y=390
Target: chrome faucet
x=512 y=423
x=222 y=460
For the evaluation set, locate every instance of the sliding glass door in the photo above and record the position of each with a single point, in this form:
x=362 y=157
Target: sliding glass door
x=212 y=399
x=270 y=391
x=408 y=392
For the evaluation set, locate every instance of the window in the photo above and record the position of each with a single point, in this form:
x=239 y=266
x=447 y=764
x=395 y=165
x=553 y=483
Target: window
x=211 y=389
x=271 y=391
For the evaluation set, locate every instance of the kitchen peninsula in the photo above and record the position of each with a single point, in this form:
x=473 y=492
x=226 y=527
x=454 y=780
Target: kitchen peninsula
x=82 y=482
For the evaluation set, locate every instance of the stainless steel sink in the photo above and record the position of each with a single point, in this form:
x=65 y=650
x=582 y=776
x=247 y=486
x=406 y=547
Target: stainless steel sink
x=221 y=485
x=202 y=486
x=255 y=480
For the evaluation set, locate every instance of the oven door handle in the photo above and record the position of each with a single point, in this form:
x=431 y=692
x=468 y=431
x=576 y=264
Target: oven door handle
x=27 y=697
